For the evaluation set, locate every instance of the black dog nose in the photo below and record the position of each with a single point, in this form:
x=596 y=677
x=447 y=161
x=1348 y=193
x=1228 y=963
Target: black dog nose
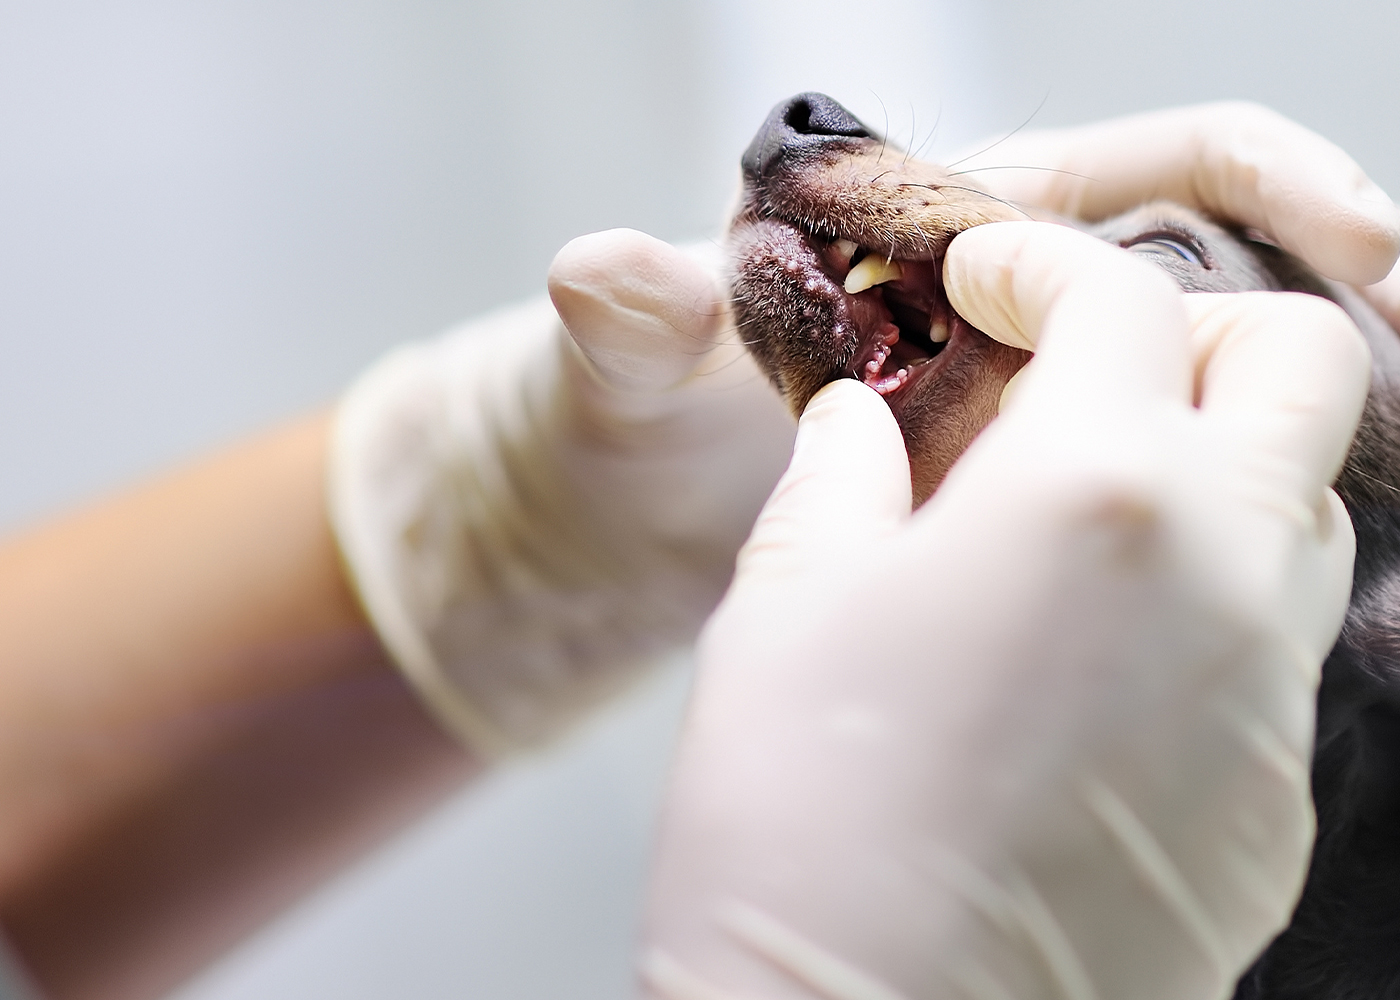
x=802 y=124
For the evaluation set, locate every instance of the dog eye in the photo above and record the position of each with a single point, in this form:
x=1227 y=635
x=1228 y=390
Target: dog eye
x=1172 y=244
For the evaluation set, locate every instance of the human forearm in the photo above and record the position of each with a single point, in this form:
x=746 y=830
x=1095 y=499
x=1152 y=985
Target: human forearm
x=195 y=721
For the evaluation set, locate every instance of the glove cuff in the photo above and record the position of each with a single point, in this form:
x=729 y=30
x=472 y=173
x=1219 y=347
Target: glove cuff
x=383 y=471
x=470 y=552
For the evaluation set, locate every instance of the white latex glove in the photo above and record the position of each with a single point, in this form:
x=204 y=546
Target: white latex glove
x=1049 y=736
x=1234 y=160
x=525 y=527
x=530 y=518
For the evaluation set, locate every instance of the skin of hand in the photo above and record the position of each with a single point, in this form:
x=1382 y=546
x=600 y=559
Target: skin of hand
x=138 y=838
x=1048 y=736
x=197 y=724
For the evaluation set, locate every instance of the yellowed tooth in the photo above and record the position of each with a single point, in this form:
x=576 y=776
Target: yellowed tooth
x=873 y=270
x=938 y=330
x=846 y=249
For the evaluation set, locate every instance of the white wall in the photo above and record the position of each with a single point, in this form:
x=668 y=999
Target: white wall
x=1332 y=66
x=213 y=214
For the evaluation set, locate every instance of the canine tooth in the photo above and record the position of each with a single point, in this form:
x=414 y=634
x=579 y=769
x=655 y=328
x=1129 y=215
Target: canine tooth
x=938 y=330
x=873 y=270
x=846 y=249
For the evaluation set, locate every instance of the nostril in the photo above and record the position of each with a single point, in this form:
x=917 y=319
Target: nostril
x=805 y=123
x=817 y=114
x=799 y=116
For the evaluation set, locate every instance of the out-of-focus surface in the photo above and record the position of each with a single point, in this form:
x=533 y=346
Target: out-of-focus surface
x=212 y=215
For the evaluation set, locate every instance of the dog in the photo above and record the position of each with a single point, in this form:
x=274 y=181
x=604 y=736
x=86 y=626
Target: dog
x=836 y=252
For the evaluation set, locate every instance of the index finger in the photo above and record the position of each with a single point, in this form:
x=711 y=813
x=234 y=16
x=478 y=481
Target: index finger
x=1236 y=160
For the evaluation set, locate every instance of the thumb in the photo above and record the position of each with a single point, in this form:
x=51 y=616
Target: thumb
x=643 y=312
x=846 y=489
x=1384 y=297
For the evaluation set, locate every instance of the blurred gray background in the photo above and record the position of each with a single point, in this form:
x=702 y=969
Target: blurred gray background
x=213 y=214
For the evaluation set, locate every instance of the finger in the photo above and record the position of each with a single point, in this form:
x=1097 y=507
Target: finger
x=1104 y=324
x=1384 y=297
x=846 y=488
x=1286 y=374
x=1235 y=160
x=1336 y=565
x=643 y=312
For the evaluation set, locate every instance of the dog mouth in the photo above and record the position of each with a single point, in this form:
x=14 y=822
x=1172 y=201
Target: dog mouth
x=893 y=308
x=858 y=293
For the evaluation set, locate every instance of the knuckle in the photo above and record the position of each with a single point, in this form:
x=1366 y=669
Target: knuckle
x=1119 y=516
x=1110 y=484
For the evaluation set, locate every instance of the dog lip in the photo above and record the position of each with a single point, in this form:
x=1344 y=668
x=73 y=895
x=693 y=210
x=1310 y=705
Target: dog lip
x=881 y=335
x=821 y=234
x=819 y=230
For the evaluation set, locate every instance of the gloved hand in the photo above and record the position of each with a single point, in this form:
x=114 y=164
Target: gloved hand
x=526 y=523
x=1233 y=160
x=529 y=517
x=1049 y=736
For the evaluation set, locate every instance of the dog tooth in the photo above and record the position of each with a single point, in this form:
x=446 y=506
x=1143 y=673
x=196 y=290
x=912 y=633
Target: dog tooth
x=888 y=384
x=938 y=331
x=846 y=249
x=873 y=270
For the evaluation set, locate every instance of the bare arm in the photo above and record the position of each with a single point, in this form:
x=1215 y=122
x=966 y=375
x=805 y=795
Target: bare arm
x=196 y=723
